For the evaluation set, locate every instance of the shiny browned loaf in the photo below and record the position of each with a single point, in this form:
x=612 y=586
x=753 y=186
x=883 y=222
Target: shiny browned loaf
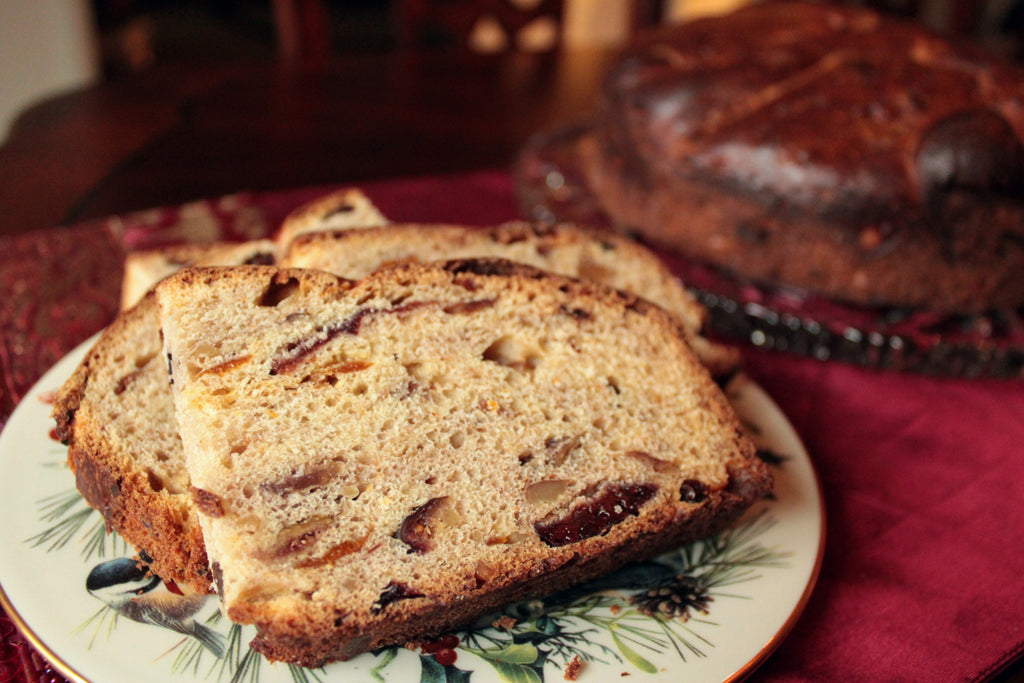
x=384 y=460
x=820 y=147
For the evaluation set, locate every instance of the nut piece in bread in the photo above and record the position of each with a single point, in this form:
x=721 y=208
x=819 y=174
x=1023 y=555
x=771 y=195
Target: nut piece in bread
x=382 y=460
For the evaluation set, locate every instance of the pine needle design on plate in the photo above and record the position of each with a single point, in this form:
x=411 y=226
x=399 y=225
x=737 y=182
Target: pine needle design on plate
x=648 y=609
x=645 y=610
x=68 y=516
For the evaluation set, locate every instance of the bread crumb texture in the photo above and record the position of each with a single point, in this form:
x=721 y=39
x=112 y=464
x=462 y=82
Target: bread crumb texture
x=379 y=458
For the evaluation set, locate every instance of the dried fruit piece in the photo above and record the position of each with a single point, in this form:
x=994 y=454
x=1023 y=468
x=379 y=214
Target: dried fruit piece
x=295 y=539
x=226 y=366
x=693 y=491
x=208 y=503
x=346 y=366
x=314 y=476
x=595 y=517
x=124 y=382
x=466 y=307
x=335 y=553
x=296 y=352
x=393 y=592
x=417 y=530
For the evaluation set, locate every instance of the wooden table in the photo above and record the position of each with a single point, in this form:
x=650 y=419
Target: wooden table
x=183 y=132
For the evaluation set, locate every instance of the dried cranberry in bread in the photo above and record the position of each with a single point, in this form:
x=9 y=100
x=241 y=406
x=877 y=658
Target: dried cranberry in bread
x=563 y=249
x=383 y=460
x=116 y=414
x=822 y=147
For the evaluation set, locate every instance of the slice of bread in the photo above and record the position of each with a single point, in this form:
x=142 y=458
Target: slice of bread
x=339 y=210
x=383 y=460
x=563 y=249
x=345 y=208
x=145 y=268
x=116 y=414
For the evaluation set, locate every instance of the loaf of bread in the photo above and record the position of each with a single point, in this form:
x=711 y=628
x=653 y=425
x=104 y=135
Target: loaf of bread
x=116 y=414
x=563 y=249
x=338 y=210
x=820 y=147
x=383 y=460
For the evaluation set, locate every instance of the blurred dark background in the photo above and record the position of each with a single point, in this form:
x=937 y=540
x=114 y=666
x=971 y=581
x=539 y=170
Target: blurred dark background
x=48 y=48
x=109 y=106
x=135 y=34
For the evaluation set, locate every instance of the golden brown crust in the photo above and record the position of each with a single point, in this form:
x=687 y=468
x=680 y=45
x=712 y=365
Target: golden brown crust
x=109 y=472
x=143 y=269
x=341 y=209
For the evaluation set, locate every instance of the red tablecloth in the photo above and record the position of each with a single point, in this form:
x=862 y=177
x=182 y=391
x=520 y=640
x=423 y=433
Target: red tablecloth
x=923 y=478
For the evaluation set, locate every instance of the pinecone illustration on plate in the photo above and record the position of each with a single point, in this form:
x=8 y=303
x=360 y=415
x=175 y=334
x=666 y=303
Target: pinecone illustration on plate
x=677 y=596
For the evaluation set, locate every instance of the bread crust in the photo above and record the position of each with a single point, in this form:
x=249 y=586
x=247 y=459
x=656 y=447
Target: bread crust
x=144 y=268
x=838 y=152
x=418 y=619
x=110 y=466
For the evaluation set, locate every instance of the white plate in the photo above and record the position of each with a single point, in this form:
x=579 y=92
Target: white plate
x=745 y=588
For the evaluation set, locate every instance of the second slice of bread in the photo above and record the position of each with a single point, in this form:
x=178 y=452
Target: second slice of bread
x=116 y=415
x=145 y=268
x=384 y=460
x=564 y=249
